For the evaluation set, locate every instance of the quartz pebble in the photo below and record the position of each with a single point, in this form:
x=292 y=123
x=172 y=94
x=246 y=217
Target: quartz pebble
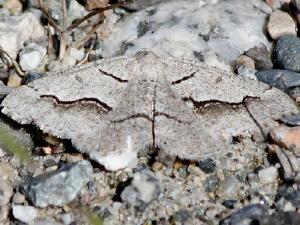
x=287 y=137
x=268 y=175
x=46 y=189
x=31 y=56
x=280 y=24
x=25 y=214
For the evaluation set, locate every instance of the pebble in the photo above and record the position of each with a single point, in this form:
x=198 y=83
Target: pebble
x=291 y=120
x=229 y=187
x=287 y=137
x=281 y=79
x=261 y=56
x=143 y=189
x=14 y=6
x=268 y=175
x=94 y=4
x=245 y=61
x=14 y=80
x=207 y=165
x=16 y=30
x=26 y=214
x=247 y=72
x=77 y=54
x=211 y=183
x=31 y=56
x=31 y=76
x=280 y=24
x=157 y=166
x=18 y=198
x=46 y=189
x=6 y=191
x=287 y=53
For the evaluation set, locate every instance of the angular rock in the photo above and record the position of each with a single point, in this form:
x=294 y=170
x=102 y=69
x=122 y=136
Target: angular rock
x=26 y=214
x=287 y=137
x=213 y=39
x=245 y=61
x=207 y=165
x=281 y=79
x=228 y=188
x=14 y=80
x=261 y=56
x=287 y=53
x=31 y=56
x=15 y=30
x=144 y=188
x=212 y=183
x=268 y=175
x=58 y=187
x=111 y=100
x=280 y=24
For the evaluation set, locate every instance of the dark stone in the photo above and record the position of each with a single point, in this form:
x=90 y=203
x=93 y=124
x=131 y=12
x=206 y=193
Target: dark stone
x=291 y=120
x=287 y=53
x=289 y=194
x=280 y=218
x=250 y=212
x=281 y=79
x=207 y=165
x=261 y=56
x=211 y=183
x=31 y=76
x=230 y=203
x=143 y=27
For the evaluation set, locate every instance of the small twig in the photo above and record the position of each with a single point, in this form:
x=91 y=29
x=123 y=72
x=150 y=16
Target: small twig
x=14 y=62
x=87 y=54
x=65 y=19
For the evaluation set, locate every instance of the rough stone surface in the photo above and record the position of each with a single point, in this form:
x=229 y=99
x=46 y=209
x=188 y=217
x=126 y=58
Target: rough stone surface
x=26 y=214
x=112 y=100
x=291 y=120
x=245 y=61
x=31 y=56
x=261 y=56
x=287 y=53
x=281 y=79
x=268 y=175
x=280 y=24
x=4 y=90
x=143 y=189
x=229 y=187
x=15 y=30
x=209 y=31
x=58 y=187
x=6 y=192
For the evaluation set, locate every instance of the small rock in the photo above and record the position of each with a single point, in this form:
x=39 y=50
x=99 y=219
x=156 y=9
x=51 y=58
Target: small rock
x=157 y=166
x=280 y=24
x=245 y=61
x=46 y=189
x=207 y=165
x=4 y=90
x=261 y=56
x=6 y=192
x=229 y=187
x=14 y=80
x=281 y=79
x=26 y=214
x=31 y=76
x=211 y=183
x=18 y=198
x=229 y=203
x=94 y=4
x=247 y=72
x=14 y=6
x=288 y=207
x=287 y=53
x=77 y=54
x=4 y=210
x=268 y=175
x=15 y=30
x=287 y=137
x=31 y=56
x=143 y=189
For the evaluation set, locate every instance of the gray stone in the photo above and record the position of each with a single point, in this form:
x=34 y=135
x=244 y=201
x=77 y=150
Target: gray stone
x=31 y=56
x=4 y=90
x=207 y=165
x=112 y=99
x=229 y=187
x=291 y=120
x=211 y=183
x=26 y=214
x=261 y=56
x=247 y=72
x=287 y=53
x=281 y=79
x=280 y=218
x=144 y=188
x=58 y=187
x=209 y=31
x=6 y=192
x=268 y=175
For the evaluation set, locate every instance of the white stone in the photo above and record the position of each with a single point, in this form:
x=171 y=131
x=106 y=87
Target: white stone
x=31 y=56
x=25 y=214
x=15 y=30
x=280 y=24
x=77 y=54
x=2 y=153
x=214 y=32
x=268 y=175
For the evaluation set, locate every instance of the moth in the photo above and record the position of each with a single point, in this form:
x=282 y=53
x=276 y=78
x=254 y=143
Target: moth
x=118 y=109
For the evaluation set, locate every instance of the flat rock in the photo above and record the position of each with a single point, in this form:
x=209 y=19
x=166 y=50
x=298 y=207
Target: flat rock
x=58 y=187
x=25 y=214
x=111 y=101
x=209 y=31
x=280 y=24
x=287 y=53
x=281 y=79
